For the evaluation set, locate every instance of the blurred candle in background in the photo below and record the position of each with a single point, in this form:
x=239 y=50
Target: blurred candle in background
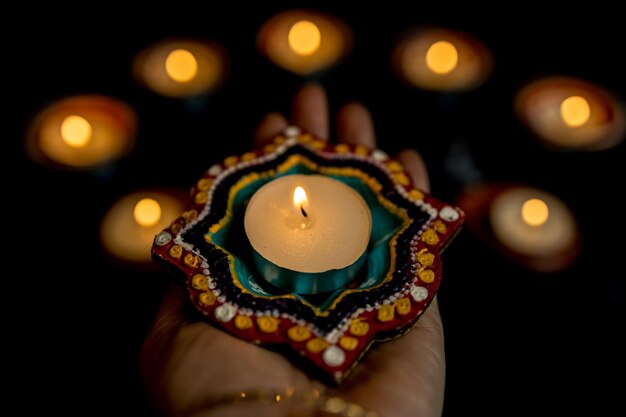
x=528 y=225
x=442 y=60
x=532 y=222
x=304 y=42
x=82 y=132
x=570 y=113
x=130 y=225
x=181 y=68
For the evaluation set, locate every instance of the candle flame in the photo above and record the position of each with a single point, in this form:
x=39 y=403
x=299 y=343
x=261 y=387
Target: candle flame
x=147 y=212
x=300 y=200
x=304 y=37
x=76 y=131
x=181 y=65
x=535 y=212
x=442 y=57
x=575 y=111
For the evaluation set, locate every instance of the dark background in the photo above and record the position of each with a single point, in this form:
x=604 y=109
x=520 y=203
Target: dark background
x=517 y=341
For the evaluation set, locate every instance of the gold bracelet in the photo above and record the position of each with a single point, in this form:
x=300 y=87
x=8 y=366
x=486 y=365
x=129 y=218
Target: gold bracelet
x=328 y=404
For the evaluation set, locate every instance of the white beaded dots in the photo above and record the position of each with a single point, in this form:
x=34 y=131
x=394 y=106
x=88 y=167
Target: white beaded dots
x=162 y=239
x=448 y=214
x=291 y=131
x=333 y=356
x=379 y=155
x=215 y=170
x=419 y=293
x=225 y=312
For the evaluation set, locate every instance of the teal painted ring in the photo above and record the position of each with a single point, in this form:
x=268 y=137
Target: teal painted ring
x=307 y=282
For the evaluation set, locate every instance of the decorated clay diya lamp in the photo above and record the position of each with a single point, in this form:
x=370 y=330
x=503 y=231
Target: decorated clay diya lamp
x=321 y=248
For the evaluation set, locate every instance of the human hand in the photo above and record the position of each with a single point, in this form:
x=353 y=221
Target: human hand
x=189 y=368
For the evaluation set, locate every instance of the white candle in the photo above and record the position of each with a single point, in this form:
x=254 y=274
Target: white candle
x=308 y=224
x=532 y=222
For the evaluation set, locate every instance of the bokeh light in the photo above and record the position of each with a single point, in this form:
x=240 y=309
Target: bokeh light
x=535 y=212
x=129 y=226
x=304 y=37
x=76 y=131
x=82 y=132
x=442 y=60
x=569 y=113
x=442 y=57
x=181 y=65
x=575 y=111
x=304 y=42
x=147 y=212
x=532 y=222
x=181 y=68
x=530 y=226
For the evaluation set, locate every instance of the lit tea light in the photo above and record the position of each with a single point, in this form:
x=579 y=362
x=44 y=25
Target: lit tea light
x=82 y=132
x=571 y=113
x=527 y=225
x=181 y=65
x=532 y=222
x=128 y=228
x=443 y=60
x=535 y=212
x=304 y=42
x=309 y=232
x=181 y=68
x=76 y=131
x=147 y=212
x=442 y=57
x=304 y=37
x=575 y=111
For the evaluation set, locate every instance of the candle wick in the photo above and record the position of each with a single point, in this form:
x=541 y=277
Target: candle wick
x=303 y=211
